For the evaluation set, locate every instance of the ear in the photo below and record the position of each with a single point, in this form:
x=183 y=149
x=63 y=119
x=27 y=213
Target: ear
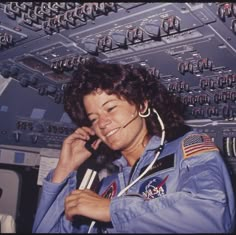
x=144 y=106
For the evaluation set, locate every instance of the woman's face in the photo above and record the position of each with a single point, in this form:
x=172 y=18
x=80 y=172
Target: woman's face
x=114 y=120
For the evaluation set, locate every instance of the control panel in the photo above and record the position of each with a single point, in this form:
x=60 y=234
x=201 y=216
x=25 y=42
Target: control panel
x=189 y=47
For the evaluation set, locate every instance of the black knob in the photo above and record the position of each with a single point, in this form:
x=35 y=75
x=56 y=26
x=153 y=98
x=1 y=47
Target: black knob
x=14 y=70
x=17 y=136
x=34 y=139
x=233 y=26
x=5 y=73
x=221 y=12
x=42 y=90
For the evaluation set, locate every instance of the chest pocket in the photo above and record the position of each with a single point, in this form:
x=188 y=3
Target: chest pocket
x=161 y=164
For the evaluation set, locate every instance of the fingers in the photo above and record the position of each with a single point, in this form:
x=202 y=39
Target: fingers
x=70 y=204
x=86 y=132
x=74 y=197
x=73 y=203
x=71 y=209
x=82 y=133
x=83 y=202
x=82 y=193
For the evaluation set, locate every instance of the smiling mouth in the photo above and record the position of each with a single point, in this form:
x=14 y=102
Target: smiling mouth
x=112 y=132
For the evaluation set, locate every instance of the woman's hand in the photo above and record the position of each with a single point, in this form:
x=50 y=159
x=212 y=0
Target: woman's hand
x=73 y=153
x=87 y=203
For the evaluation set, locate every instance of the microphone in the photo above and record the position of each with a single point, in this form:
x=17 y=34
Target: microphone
x=134 y=117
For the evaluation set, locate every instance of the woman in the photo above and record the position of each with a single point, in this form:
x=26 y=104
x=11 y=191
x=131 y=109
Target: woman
x=170 y=179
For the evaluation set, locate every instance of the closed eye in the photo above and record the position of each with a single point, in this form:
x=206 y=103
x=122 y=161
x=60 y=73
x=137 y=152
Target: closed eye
x=111 y=108
x=93 y=120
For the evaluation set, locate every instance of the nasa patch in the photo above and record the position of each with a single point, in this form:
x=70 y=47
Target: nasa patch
x=153 y=187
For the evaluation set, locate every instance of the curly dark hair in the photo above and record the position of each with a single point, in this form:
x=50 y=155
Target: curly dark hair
x=130 y=81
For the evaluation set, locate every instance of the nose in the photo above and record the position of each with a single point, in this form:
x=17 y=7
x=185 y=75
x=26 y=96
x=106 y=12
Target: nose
x=103 y=121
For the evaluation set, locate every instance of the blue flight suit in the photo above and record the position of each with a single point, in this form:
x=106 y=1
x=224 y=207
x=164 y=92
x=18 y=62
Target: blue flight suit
x=187 y=190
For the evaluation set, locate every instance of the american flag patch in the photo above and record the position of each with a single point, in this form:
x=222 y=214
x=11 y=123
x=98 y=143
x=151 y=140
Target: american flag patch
x=197 y=143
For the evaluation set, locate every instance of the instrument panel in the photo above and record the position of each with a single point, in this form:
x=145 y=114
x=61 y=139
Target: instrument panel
x=189 y=47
